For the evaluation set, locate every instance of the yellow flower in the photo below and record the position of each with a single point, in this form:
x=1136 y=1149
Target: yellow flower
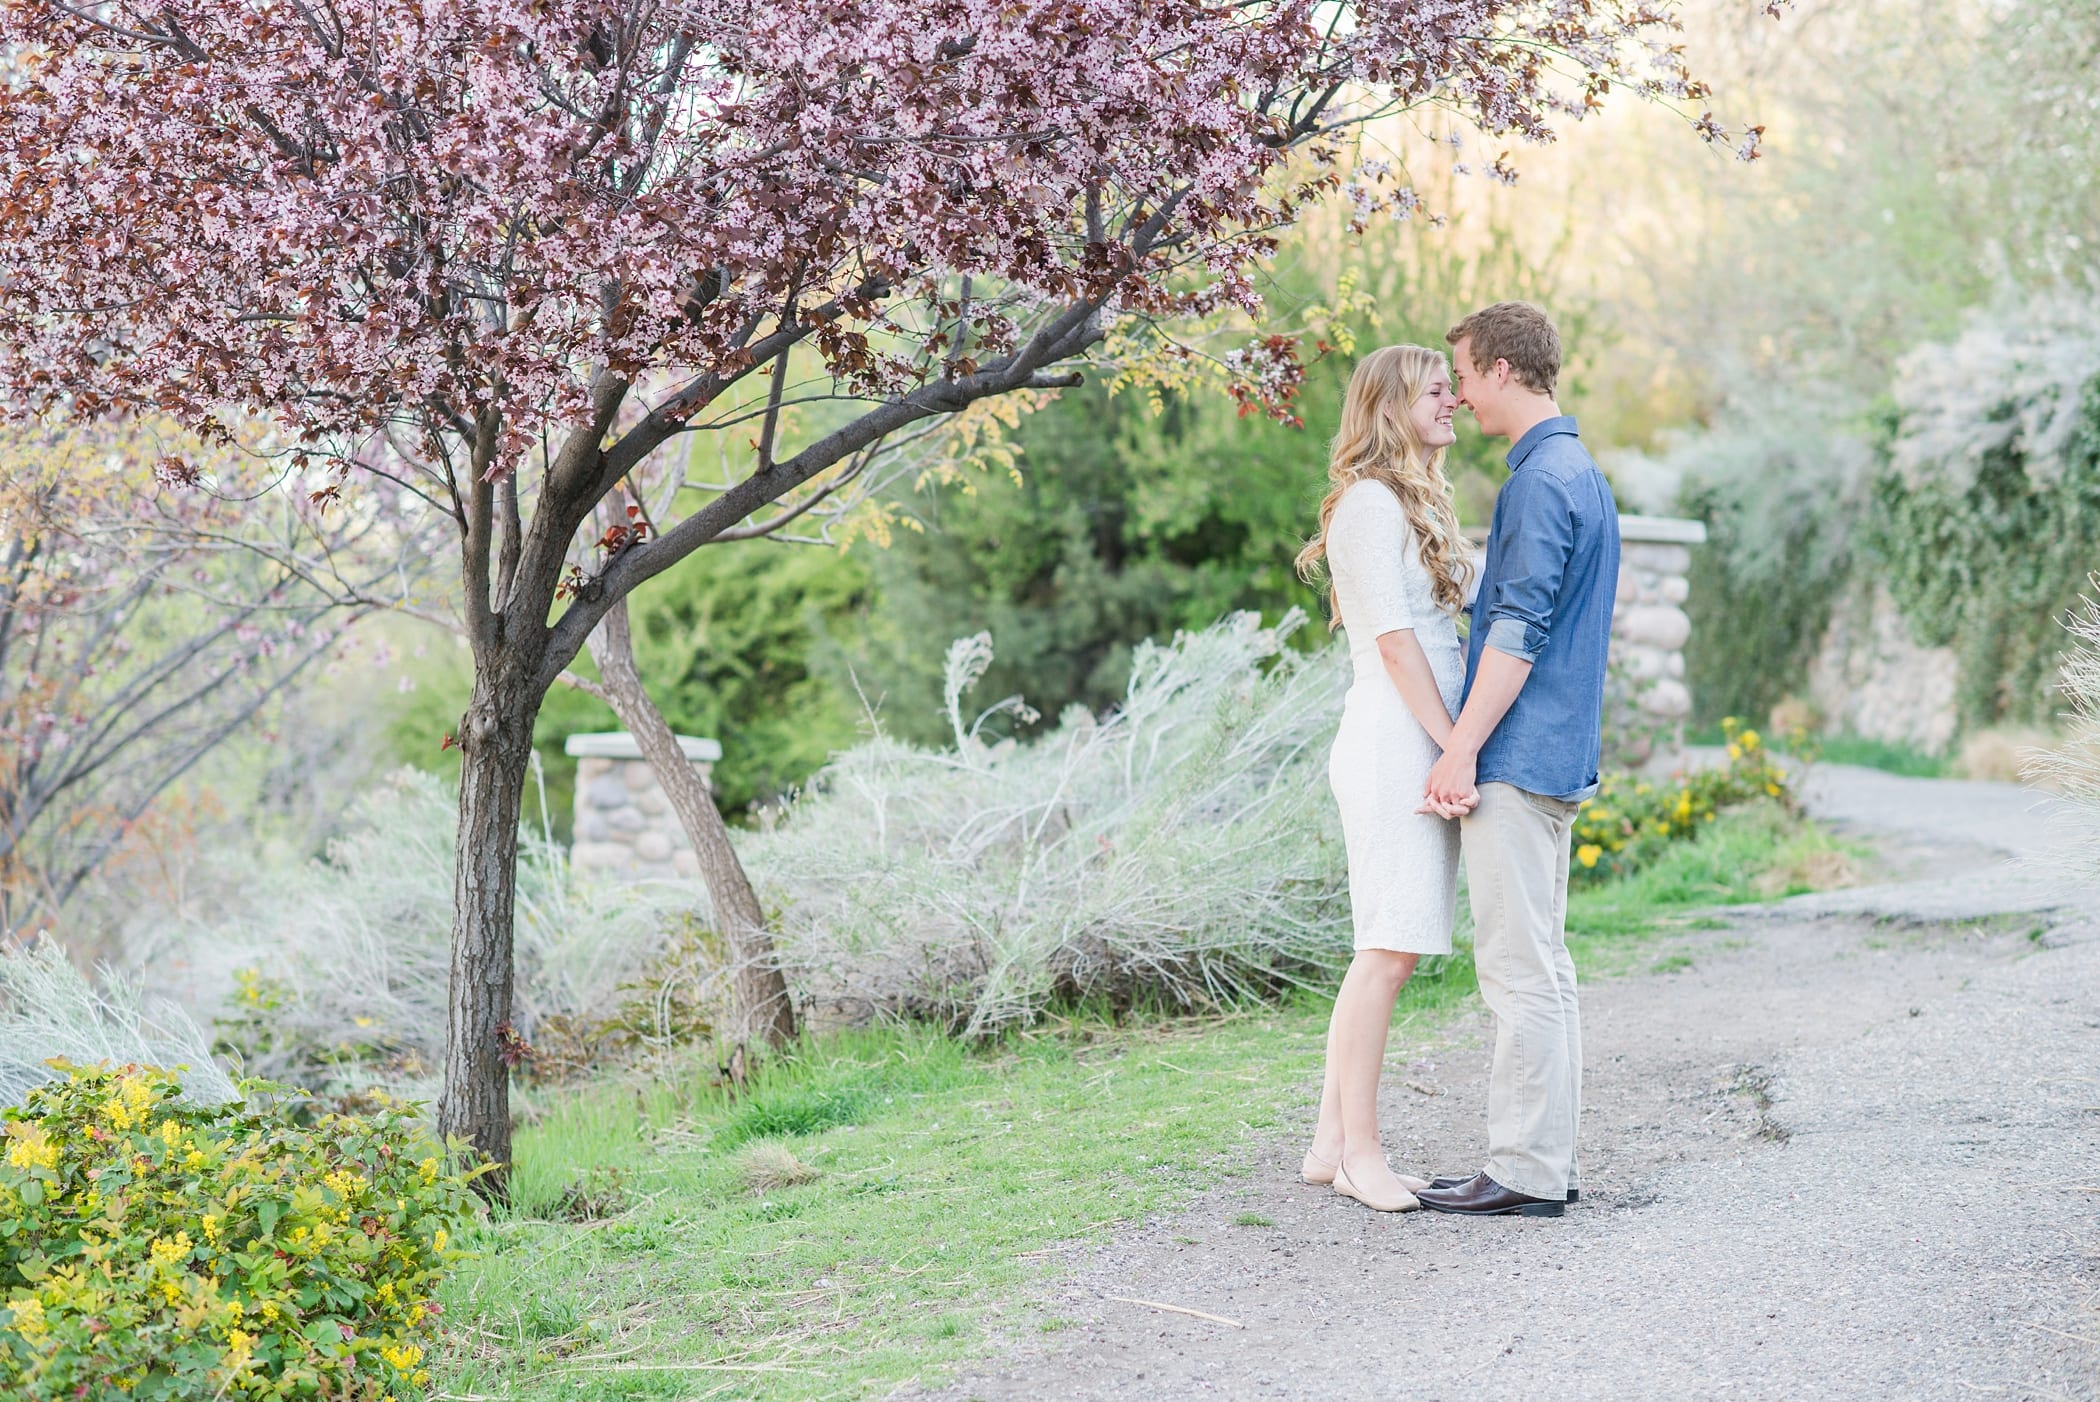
x=1588 y=854
x=29 y=1316
x=437 y=1243
x=1772 y=789
x=1735 y=751
x=166 y=1251
x=129 y=1105
x=32 y=1147
x=429 y=1171
x=402 y=1356
x=171 y=1133
x=1748 y=739
x=211 y=1226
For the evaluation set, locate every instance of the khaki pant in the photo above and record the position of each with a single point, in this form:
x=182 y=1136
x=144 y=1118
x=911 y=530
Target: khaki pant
x=1516 y=848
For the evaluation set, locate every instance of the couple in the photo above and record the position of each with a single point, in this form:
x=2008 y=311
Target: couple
x=1490 y=751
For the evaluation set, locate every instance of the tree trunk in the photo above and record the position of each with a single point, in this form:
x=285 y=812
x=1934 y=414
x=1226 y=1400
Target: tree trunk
x=762 y=1006
x=481 y=1045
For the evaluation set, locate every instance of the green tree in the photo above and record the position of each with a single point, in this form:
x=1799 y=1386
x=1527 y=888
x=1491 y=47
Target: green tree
x=1135 y=513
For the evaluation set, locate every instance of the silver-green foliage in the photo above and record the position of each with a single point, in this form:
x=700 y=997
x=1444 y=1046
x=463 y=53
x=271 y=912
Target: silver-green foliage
x=49 y=1010
x=334 y=972
x=2073 y=768
x=1182 y=848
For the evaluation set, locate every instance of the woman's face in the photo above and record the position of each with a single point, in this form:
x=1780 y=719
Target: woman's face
x=1432 y=411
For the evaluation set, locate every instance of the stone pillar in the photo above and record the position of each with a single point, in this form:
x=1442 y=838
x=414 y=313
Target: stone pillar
x=1648 y=633
x=624 y=822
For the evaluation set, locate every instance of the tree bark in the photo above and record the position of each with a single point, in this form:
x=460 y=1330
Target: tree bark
x=481 y=1045
x=762 y=1006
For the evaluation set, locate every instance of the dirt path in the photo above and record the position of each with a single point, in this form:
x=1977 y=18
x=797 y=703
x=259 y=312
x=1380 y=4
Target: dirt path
x=1846 y=1147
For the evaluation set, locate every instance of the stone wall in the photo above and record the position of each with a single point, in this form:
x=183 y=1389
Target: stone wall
x=624 y=821
x=1649 y=629
x=1647 y=701
x=1870 y=678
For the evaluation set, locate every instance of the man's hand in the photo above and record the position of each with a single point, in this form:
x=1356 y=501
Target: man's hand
x=1449 y=791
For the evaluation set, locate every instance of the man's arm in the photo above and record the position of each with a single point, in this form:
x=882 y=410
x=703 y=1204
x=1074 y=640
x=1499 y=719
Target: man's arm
x=1449 y=791
x=1519 y=626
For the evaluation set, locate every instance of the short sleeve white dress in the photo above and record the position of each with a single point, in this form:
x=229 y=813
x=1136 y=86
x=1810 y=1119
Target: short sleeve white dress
x=1403 y=865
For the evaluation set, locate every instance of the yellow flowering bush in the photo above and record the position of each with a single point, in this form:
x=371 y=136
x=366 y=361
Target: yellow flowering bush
x=152 y=1249
x=1628 y=820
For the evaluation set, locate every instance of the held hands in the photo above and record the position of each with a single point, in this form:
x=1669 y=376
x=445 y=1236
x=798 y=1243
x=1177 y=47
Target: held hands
x=1449 y=792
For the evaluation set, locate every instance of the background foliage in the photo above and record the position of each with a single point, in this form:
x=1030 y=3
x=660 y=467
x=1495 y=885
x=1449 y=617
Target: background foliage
x=1986 y=519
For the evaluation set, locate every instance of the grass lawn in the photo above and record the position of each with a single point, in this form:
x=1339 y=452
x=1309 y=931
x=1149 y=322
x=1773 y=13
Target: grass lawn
x=879 y=1203
x=1886 y=755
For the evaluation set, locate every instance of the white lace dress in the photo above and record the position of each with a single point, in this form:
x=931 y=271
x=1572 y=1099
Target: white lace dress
x=1403 y=865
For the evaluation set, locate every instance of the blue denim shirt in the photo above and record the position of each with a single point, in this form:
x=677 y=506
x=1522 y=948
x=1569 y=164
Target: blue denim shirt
x=1551 y=578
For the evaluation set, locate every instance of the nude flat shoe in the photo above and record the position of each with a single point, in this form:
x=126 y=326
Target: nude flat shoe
x=1406 y=1202
x=1320 y=1173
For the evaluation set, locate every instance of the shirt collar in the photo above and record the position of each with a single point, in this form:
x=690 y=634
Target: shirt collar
x=1539 y=433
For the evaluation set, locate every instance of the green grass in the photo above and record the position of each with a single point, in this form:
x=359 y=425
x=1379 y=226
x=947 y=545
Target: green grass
x=1884 y=755
x=636 y=1263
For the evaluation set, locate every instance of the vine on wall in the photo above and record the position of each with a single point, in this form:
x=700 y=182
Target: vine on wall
x=1986 y=518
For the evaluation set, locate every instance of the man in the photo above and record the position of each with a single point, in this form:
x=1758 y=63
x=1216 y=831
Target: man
x=1524 y=753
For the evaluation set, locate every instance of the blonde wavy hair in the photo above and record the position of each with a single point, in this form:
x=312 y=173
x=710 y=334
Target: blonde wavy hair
x=1376 y=446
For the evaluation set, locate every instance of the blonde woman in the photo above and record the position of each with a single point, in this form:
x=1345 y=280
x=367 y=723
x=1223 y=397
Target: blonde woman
x=1398 y=570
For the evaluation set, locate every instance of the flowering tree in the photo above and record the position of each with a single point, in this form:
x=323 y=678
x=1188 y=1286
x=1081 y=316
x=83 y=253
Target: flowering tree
x=536 y=248
x=153 y=602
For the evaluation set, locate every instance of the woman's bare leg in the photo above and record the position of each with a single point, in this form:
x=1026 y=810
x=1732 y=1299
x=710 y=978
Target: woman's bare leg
x=1356 y=1036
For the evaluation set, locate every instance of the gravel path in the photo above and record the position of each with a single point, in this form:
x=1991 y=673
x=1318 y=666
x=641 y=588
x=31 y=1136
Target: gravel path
x=1845 y=1147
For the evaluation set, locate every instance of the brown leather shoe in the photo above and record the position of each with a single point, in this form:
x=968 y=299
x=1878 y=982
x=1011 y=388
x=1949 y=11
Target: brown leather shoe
x=1482 y=1196
x=1574 y=1194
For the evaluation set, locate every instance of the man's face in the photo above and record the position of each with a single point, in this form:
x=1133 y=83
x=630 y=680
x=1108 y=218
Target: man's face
x=1477 y=388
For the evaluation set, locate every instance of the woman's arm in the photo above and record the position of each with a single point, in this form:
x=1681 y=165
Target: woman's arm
x=1408 y=666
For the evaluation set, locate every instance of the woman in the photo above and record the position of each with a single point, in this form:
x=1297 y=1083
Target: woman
x=1398 y=566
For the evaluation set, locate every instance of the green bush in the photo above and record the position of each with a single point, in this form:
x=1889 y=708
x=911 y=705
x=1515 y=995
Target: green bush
x=1989 y=511
x=1630 y=820
x=157 y=1250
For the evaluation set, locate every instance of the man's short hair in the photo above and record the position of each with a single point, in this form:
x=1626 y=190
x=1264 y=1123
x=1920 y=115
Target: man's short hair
x=1517 y=332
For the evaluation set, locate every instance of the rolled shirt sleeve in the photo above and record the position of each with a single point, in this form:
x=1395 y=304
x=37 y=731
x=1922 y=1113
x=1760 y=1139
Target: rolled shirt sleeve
x=1365 y=538
x=1541 y=535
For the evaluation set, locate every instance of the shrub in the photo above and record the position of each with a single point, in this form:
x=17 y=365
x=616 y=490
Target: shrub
x=156 y=1250
x=1988 y=509
x=1630 y=820
x=1781 y=484
x=333 y=976
x=2073 y=769
x=1183 y=848
x=48 y=1010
